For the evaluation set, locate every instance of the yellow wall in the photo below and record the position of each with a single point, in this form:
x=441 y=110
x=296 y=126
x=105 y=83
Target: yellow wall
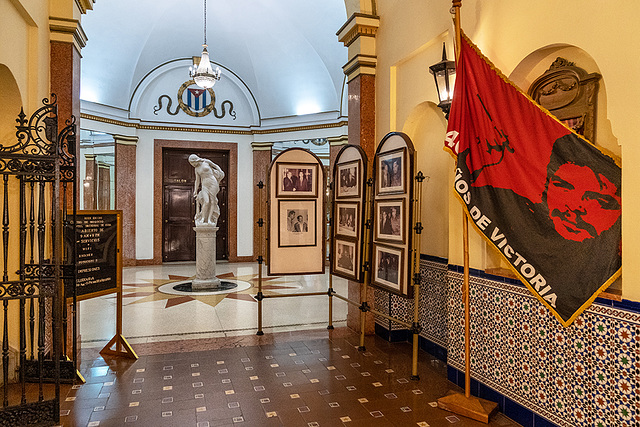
x=24 y=31
x=24 y=82
x=520 y=38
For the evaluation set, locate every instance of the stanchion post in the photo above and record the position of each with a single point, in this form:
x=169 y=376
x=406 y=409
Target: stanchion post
x=260 y=297
x=330 y=293
x=364 y=307
x=417 y=230
x=331 y=223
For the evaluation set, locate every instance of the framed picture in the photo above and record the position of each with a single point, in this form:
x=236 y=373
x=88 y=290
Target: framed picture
x=297 y=223
x=297 y=180
x=345 y=258
x=347 y=219
x=348 y=180
x=388 y=265
x=391 y=172
x=389 y=220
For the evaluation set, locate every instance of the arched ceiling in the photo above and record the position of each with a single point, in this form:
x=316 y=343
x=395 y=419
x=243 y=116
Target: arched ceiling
x=285 y=51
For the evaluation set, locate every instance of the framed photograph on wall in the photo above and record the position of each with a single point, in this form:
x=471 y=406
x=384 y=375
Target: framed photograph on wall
x=348 y=176
x=297 y=180
x=388 y=267
x=345 y=260
x=347 y=219
x=296 y=223
x=391 y=172
x=389 y=220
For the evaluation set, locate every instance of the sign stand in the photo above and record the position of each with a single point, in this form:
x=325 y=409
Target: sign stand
x=96 y=245
x=123 y=348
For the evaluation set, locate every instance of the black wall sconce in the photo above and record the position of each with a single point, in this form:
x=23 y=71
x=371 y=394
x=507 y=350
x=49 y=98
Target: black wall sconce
x=444 y=73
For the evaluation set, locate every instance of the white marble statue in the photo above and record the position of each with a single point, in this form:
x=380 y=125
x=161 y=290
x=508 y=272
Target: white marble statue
x=208 y=177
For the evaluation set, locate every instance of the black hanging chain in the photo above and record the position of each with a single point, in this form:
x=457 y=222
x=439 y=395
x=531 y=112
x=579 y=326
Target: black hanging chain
x=205 y=21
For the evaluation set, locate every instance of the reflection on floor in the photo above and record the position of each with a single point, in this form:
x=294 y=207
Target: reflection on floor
x=201 y=363
x=152 y=316
x=307 y=378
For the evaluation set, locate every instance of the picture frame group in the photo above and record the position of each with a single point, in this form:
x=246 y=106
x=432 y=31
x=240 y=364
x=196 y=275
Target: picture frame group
x=388 y=270
x=389 y=223
x=348 y=180
x=391 y=172
x=346 y=257
x=297 y=180
x=297 y=223
x=347 y=216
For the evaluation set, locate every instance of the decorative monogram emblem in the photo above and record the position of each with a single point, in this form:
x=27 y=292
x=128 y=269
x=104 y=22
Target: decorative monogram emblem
x=196 y=102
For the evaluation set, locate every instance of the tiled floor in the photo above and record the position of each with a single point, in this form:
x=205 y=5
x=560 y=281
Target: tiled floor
x=201 y=363
x=307 y=378
x=151 y=316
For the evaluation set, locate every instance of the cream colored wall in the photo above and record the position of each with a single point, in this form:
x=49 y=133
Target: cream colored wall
x=24 y=30
x=410 y=37
x=24 y=82
x=360 y=6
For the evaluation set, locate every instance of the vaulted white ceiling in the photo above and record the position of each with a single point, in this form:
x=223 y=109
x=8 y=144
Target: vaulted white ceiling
x=285 y=51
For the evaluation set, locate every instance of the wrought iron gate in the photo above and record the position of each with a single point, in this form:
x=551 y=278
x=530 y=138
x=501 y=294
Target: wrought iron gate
x=37 y=201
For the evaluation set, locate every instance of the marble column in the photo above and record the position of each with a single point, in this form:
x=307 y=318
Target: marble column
x=89 y=183
x=66 y=40
x=359 y=35
x=125 y=189
x=205 y=258
x=261 y=162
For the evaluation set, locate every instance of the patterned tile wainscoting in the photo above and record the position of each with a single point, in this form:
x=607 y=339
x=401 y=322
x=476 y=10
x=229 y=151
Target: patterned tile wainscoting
x=540 y=373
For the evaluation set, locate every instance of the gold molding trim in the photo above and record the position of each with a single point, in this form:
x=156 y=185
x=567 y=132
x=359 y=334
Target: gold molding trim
x=84 y=5
x=262 y=146
x=67 y=30
x=208 y=130
x=125 y=139
x=337 y=141
x=360 y=64
x=358 y=25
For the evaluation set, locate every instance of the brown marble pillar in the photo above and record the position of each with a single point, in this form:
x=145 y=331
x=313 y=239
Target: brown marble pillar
x=359 y=35
x=66 y=40
x=261 y=162
x=362 y=132
x=65 y=80
x=89 y=183
x=125 y=186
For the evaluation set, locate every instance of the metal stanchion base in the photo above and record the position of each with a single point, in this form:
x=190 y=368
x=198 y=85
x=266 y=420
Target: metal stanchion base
x=414 y=377
x=260 y=333
x=362 y=348
x=330 y=327
x=471 y=407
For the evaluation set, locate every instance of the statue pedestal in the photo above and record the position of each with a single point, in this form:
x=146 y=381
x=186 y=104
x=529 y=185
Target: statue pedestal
x=205 y=258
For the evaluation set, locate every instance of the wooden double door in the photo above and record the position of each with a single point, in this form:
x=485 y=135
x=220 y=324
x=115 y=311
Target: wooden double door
x=178 y=207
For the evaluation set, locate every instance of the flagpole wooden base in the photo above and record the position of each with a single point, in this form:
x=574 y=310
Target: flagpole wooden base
x=123 y=348
x=470 y=407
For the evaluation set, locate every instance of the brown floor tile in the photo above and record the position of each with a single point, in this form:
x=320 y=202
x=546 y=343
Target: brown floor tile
x=289 y=379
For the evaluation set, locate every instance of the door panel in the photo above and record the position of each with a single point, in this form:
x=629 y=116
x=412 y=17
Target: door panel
x=179 y=206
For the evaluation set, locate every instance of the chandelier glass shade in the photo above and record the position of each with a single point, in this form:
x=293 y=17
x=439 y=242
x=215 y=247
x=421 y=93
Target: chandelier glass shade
x=203 y=75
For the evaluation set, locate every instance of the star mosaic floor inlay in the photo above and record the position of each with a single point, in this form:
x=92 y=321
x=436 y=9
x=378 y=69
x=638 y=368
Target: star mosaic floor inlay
x=306 y=378
x=150 y=315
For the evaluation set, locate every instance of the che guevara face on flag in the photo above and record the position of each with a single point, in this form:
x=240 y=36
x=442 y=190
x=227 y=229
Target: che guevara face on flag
x=547 y=199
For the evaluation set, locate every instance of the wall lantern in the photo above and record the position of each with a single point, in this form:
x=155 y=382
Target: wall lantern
x=444 y=73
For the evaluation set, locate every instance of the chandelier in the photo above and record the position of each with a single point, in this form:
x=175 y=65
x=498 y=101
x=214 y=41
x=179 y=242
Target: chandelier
x=204 y=76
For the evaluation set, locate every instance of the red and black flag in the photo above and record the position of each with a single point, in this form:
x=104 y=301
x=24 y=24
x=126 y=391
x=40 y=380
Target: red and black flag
x=547 y=199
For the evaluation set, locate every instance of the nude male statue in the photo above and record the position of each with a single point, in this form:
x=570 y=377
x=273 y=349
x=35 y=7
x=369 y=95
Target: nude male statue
x=208 y=177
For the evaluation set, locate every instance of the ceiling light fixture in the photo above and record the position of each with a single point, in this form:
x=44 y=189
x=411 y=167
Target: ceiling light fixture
x=204 y=76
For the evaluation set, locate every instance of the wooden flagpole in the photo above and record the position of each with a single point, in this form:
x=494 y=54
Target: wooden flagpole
x=466 y=405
